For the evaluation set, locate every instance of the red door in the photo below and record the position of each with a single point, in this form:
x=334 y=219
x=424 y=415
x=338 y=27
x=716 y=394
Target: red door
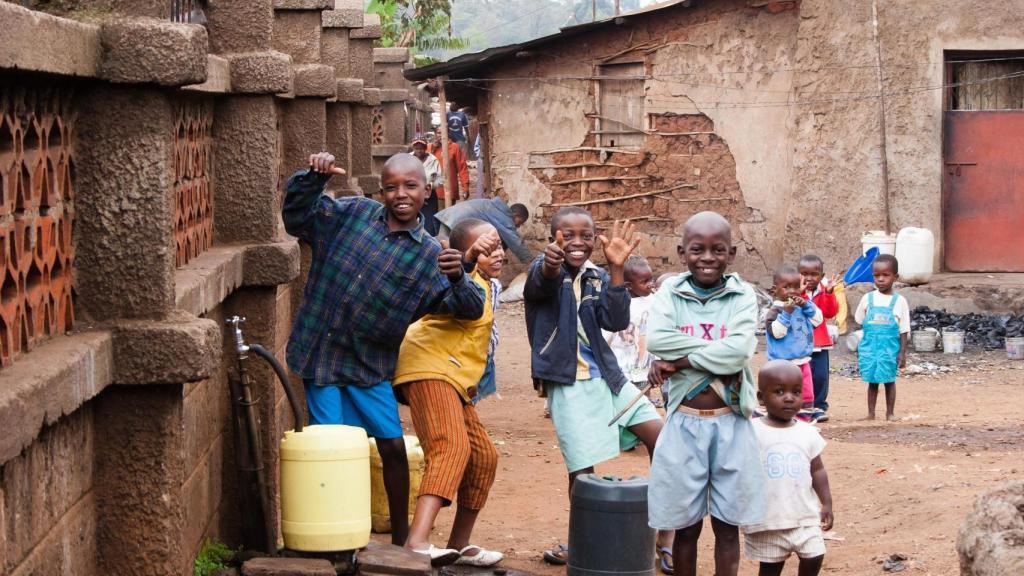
x=984 y=183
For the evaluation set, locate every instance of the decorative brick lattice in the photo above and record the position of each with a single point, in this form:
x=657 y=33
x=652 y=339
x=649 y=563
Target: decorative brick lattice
x=36 y=215
x=193 y=196
x=377 y=125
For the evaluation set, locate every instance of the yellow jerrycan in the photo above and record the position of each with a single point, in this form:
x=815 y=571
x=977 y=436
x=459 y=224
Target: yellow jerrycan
x=379 y=509
x=325 y=489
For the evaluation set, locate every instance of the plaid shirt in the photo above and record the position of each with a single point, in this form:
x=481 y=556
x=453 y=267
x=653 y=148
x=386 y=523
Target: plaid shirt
x=366 y=285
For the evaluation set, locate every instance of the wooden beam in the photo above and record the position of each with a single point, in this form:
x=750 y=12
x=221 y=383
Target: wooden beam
x=600 y=179
x=630 y=197
x=588 y=149
x=446 y=174
x=582 y=165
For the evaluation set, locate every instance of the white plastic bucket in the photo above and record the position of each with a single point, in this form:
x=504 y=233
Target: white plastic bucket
x=1015 y=348
x=886 y=243
x=924 y=340
x=915 y=249
x=953 y=341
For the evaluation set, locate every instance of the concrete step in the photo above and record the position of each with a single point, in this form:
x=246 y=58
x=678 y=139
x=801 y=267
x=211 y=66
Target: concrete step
x=288 y=567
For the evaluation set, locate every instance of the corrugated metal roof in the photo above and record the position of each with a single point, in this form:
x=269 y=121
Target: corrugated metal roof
x=468 y=62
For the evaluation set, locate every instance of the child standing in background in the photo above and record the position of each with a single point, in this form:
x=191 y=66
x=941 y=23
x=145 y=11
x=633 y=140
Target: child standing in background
x=798 y=502
x=790 y=329
x=820 y=291
x=885 y=316
x=630 y=345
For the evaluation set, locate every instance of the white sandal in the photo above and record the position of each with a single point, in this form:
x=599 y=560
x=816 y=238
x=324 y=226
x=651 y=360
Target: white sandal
x=440 y=556
x=481 y=558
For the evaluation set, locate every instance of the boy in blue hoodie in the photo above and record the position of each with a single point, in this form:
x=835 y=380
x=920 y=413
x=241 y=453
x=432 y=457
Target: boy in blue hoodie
x=702 y=326
x=569 y=301
x=790 y=329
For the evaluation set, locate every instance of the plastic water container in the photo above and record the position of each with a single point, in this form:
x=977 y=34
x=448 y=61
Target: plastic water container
x=1015 y=348
x=915 y=249
x=608 y=532
x=925 y=340
x=325 y=489
x=953 y=341
x=380 y=512
x=886 y=243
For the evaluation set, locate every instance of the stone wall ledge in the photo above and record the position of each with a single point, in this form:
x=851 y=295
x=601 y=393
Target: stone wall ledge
x=371 y=29
x=51 y=381
x=387 y=150
x=181 y=348
x=146 y=50
x=303 y=4
x=206 y=281
x=38 y=42
x=350 y=90
x=218 y=76
x=315 y=80
x=371 y=96
x=342 y=18
x=390 y=55
x=394 y=94
x=268 y=72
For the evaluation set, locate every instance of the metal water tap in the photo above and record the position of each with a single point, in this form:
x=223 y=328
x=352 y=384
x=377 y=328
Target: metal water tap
x=236 y=324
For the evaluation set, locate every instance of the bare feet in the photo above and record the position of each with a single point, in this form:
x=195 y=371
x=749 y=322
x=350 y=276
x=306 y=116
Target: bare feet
x=892 y=418
x=867 y=418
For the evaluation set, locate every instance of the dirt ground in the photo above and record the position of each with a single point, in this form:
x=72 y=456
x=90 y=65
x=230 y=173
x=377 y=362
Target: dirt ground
x=897 y=487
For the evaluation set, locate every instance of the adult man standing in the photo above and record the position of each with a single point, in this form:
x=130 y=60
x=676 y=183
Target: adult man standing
x=506 y=219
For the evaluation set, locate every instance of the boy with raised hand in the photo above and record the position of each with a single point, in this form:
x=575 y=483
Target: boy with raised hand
x=703 y=326
x=797 y=496
x=569 y=301
x=791 y=322
x=374 y=271
x=440 y=366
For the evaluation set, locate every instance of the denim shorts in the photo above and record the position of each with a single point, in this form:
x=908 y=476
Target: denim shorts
x=706 y=465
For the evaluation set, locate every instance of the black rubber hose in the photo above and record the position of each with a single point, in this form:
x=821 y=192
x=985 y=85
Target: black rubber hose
x=283 y=377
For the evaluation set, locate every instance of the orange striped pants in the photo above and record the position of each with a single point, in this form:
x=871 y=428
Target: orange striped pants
x=461 y=459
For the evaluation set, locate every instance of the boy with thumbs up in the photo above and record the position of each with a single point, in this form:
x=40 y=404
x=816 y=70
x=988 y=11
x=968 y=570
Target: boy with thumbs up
x=375 y=271
x=569 y=301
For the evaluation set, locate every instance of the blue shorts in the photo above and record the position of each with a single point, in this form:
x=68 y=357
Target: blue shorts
x=373 y=409
x=706 y=465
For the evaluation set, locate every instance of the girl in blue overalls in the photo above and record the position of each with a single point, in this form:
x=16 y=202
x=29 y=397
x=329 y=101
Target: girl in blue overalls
x=885 y=316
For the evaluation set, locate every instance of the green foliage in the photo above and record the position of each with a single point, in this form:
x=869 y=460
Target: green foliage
x=420 y=25
x=213 y=556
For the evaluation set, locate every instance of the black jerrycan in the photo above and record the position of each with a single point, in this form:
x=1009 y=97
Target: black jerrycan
x=608 y=532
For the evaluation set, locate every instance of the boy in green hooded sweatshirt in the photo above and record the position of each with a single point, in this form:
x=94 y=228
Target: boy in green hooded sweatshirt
x=702 y=326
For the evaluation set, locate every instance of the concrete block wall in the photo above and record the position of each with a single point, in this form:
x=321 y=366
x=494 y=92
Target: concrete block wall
x=131 y=415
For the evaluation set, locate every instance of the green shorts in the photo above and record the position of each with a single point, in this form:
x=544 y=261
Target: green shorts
x=581 y=413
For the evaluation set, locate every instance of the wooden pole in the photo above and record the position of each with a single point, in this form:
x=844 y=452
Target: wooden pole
x=881 y=118
x=446 y=174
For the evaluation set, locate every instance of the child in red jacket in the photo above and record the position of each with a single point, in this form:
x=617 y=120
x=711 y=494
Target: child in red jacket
x=820 y=292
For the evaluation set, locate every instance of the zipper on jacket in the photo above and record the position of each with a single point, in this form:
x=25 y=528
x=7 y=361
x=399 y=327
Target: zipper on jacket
x=550 y=340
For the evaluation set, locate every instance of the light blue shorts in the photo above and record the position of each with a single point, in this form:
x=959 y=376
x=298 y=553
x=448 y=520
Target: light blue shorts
x=373 y=409
x=705 y=465
x=581 y=413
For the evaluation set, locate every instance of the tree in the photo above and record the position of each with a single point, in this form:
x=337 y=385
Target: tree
x=421 y=25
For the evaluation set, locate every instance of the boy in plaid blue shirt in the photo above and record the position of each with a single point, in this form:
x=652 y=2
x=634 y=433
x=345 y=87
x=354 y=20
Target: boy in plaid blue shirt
x=374 y=271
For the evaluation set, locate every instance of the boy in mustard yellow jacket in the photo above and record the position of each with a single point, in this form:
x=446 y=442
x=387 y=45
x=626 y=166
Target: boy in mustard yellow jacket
x=440 y=366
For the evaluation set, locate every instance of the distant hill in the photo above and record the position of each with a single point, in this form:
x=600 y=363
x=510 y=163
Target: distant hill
x=487 y=23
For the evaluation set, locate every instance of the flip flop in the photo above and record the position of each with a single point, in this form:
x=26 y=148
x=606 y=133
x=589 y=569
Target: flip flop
x=440 y=556
x=481 y=558
x=666 y=568
x=558 y=556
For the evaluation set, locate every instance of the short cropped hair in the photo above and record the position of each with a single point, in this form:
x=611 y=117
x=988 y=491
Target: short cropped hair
x=462 y=234
x=784 y=270
x=813 y=259
x=888 y=259
x=520 y=211
x=568 y=211
x=634 y=264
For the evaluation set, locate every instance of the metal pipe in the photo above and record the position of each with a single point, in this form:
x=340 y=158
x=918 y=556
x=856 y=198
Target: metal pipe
x=881 y=117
